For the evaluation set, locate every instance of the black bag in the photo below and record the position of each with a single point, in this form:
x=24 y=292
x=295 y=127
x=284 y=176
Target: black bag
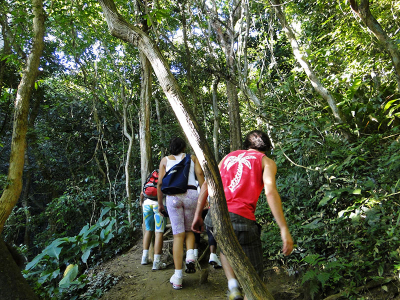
x=176 y=179
x=150 y=187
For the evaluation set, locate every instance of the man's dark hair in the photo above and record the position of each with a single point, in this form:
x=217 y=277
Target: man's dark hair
x=176 y=145
x=257 y=140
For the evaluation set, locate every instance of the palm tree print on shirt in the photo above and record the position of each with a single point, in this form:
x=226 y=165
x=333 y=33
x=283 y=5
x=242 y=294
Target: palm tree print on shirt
x=232 y=160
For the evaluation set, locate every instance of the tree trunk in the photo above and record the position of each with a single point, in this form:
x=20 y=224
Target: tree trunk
x=128 y=135
x=188 y=58
x=12 y=284
x=254 y=287
x=25 y=202
x=234 y=117
x=373 y=25
x=13 y=188
x=216 y=118
x=144 y=130
x=145 y=115
x=144 y=121
x=160 y=132
x=316 y=83
x=5 y=51
x=226 y=39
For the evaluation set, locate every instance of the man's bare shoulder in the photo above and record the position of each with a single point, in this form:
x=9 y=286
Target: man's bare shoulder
x=268 y=164
x=220 y=163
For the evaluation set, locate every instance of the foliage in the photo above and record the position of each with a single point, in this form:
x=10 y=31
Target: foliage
x=342 y=210
x=73 y=254
x=340 y=195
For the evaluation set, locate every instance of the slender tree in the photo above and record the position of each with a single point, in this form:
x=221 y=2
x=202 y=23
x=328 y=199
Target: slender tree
x=302 y=60
x=226 y=37
x=13 y=188
x=12 y=283
x=145 y=100
x=364 y=12
x=216 y=118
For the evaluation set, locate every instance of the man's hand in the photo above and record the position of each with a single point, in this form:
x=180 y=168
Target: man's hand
x=287 y=241
x=198 y=224
x=161 y=209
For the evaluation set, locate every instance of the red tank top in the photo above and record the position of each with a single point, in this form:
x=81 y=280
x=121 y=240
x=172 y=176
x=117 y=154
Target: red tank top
x=241 y=174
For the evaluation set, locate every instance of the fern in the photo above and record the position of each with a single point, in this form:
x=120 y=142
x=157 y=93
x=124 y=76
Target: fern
x=309 y=275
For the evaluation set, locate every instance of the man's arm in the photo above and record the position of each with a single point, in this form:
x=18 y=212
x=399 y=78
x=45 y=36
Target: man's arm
x=275 y=204
x=198 y=224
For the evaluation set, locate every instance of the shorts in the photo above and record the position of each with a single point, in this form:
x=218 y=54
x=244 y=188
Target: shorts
x=152 y=218
x=181 y=209
x=248 y=233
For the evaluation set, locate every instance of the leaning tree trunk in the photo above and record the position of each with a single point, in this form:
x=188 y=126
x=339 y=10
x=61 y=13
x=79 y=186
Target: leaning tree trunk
x=373 y=25
x=316 y=83
x=253 y=285
x=13 y=188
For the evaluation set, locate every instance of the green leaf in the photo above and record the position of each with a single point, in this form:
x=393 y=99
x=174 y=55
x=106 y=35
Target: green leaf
x=109 y=237
x=326 y=200
x=43 y=278
x=357 y=192
x=109 y=204
x=105 y=222
x=323 y=277
x=86 y=255
x=380 y=270
x=389 y=104
x=55 y=274
x=109 y=227
x=314 y=224
x=353 y=89
x=309 y=275
x=54 y=251
x=69 y=276
x=84 y=229
x=312 y=259
x=104 y=211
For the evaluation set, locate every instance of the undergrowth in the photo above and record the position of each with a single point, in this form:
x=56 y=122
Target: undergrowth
x=342 y=207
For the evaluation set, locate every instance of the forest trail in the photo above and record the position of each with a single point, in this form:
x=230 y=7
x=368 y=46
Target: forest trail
x=139 y=282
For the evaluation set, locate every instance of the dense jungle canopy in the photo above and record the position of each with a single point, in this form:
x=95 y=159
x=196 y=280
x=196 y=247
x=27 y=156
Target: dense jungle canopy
x=92 y=91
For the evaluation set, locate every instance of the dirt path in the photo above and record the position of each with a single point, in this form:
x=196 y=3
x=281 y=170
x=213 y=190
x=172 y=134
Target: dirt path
x=140 y=282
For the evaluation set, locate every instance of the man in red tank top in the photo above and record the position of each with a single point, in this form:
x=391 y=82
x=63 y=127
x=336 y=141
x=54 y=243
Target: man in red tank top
x=244 y=174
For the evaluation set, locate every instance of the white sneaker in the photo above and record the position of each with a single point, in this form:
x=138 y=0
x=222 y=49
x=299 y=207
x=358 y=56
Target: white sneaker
x=235 y=294
x=214 y=261
x=158 y=265
x=190 y=264
x=145 y=260
x=176 y=282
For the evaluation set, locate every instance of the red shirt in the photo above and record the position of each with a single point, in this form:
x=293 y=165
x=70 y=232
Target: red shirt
x=241 y=173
